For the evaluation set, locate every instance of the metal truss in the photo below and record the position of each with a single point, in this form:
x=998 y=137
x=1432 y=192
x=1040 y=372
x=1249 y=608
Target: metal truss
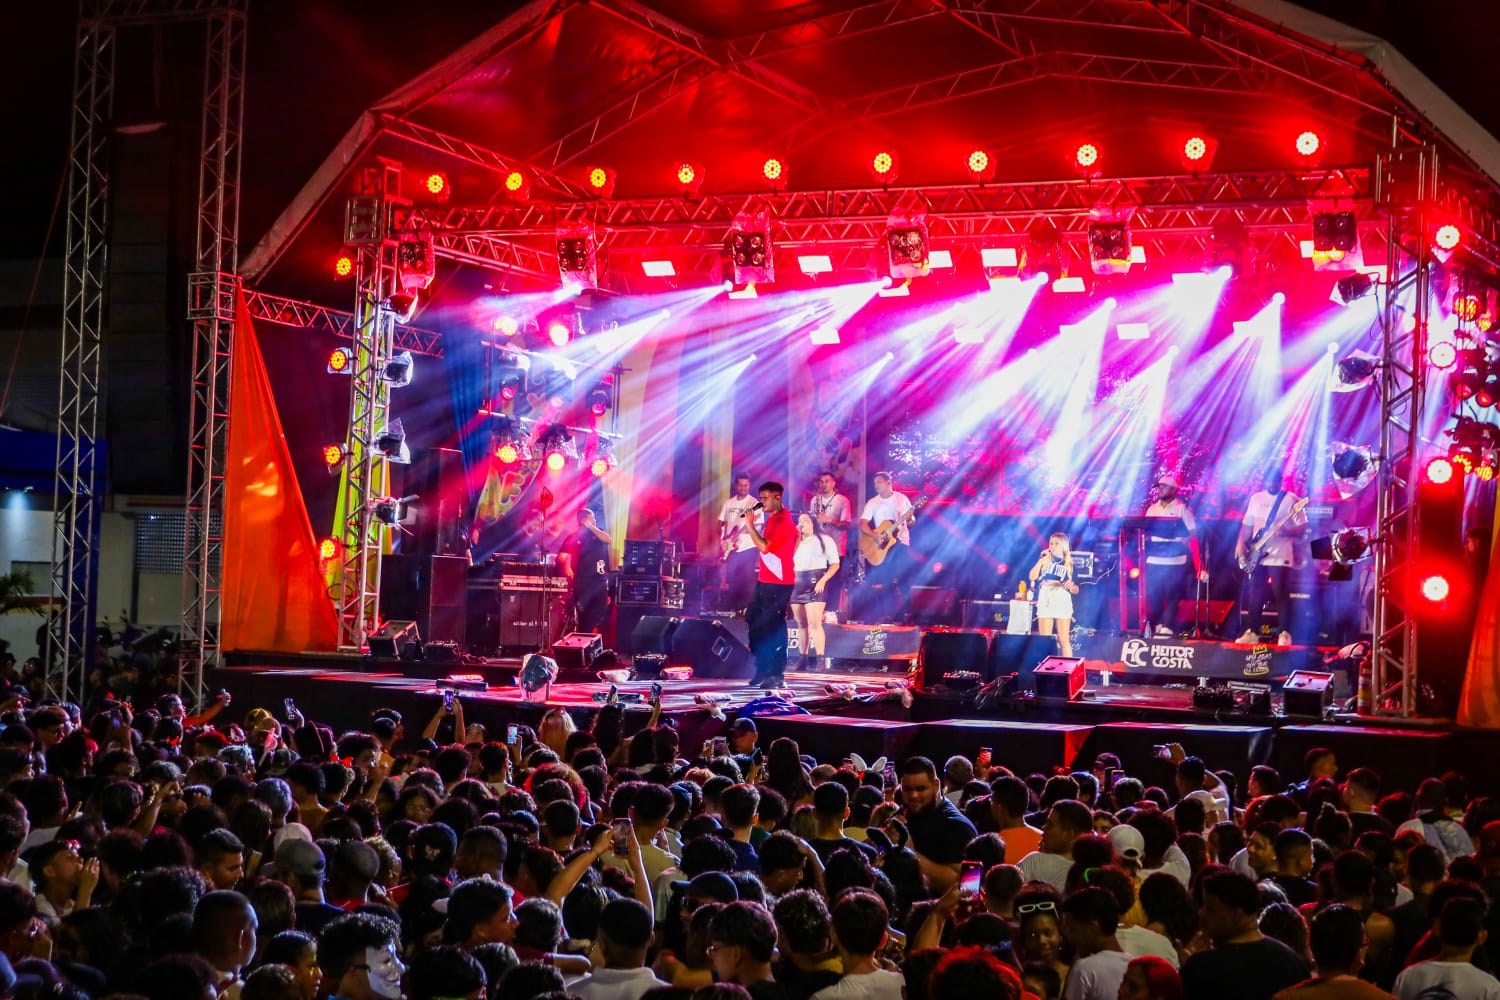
x=311 y=316
x=1402 y=400
x=370 y=231
x=500 y=164
x=75 y=503
x=212 y=304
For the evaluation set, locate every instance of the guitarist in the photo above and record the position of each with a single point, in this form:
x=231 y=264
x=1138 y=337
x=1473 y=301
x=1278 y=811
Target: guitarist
x=887 y=508
x=736 y=550
x=1272 y=526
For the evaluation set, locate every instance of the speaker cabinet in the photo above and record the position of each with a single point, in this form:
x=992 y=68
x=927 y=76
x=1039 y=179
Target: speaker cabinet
x=1061 y=677
x=650 y=634
x=447 y=594
x=710 y=649
x=577 y=651
x=1018 y=654
x=1307 y=693
x=394 y=639
x=949 y=652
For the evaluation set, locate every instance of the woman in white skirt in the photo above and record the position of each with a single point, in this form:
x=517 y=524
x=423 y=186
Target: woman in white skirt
x=815 y=561
x=1052 y=582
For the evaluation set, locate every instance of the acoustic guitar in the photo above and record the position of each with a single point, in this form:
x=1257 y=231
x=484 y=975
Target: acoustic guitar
x=875 y=547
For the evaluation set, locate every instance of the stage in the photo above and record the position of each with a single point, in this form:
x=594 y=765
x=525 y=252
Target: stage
x=844 y=712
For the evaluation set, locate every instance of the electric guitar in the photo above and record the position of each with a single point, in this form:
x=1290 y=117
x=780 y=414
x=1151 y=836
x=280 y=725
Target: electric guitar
x=1256 y=550
x=876 y=546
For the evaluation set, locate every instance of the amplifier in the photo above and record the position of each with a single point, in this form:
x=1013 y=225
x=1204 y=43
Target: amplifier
x=1060 y=677
x=661 y=592
x=1083 y=567
x=645 y=557
x=556 y=584
x=986 y=614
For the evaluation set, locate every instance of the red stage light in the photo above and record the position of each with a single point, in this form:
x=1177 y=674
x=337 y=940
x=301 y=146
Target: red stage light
x=510 y=389
x=1442 y=354
x=883 y=166
x=1447 y=236
x=1485 y=472
x=1135 y=572
x=558 y=333
x=333 y=454
x=599 y=467
x=686 y=173
x=1309 y=143
x=556 y=460
x=515 y=181
x=773 y=169
x=343 y=265
x=508 y=325
x=436 y=183
x=979 y=161
x=601 y=181
x=1086 y=156
x=1483 y=399
x=1436 y=588
x=1439 y=471
x=508 y=454
x=1195 y=149
x=1467 y=307
x=339 y=360
x=328 y=548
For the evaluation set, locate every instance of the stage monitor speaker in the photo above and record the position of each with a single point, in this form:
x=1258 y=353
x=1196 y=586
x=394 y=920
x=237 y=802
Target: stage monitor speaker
x=393 y=639
x=1018 y=654
x=447 y=596
x=710 y=649
x=653 y=634
x=577 y=651
x=932 y=606
x=1213 y=616
x=1307 y=693
x=1061 y=677
x=952 y=652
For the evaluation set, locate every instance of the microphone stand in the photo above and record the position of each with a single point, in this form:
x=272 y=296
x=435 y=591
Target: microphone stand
x=1201 y=587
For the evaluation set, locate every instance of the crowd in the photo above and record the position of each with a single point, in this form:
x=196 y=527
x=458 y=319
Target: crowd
x=153 y=854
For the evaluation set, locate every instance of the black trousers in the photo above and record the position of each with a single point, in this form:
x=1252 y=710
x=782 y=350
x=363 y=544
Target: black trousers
x=765 y=625
x=592 y=604
x=1269 y=583
x=883 y=602
x=1165 y=587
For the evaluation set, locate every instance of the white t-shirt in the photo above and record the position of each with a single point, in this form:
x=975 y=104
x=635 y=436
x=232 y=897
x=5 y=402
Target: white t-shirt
x=732 y=516
x=1279 y=550
x=615 y=984
x=1139 y=941
x=817 y=552
x=1437 y=980
x=881 y=984
x=1049 y=868
x=1179 y=510
x=1096 y=977
x=1174 y=863
x=838 y=508
x=882 y=509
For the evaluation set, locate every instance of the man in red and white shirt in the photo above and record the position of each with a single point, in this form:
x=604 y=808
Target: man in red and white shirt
x=765 y=618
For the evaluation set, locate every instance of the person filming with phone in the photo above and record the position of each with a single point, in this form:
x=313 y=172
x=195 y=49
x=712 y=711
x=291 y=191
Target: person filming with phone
x=939 y=832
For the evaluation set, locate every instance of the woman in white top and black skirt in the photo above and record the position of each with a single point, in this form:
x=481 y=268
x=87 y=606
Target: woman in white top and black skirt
x=815 y=561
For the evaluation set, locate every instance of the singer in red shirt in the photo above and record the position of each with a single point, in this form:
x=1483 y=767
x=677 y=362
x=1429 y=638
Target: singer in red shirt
x=765 y=618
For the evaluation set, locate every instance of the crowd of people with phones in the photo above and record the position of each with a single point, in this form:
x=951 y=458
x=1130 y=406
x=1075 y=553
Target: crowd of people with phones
x=152 y=854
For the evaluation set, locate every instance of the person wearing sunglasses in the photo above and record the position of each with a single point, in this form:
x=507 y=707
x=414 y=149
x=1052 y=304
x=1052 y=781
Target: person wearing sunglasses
x=1040 y=931
x=63 y=881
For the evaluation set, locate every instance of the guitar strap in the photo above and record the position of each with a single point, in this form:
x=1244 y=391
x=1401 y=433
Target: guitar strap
x=1270 y=519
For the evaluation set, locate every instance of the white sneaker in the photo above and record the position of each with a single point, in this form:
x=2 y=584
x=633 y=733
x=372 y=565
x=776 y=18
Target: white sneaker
x=1284 y=639
x=1248 y=637
x=1163 y=632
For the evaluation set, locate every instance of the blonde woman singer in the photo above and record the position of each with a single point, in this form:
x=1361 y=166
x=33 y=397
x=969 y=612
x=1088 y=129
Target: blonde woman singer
x=1052 y=580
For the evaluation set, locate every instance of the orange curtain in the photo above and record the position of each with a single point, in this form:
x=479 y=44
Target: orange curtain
x=274 y=597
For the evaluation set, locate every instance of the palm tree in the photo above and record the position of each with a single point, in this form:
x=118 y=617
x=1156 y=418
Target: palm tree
x=18 y=593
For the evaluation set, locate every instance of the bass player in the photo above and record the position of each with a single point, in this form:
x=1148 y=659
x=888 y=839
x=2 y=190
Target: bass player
x=1267 y=547
x=889 y=578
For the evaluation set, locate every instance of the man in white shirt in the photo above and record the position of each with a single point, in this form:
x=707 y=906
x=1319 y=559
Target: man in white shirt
x=1066 y=822
x=1167 y=556
x=1273 y=523
x=738 y=551
x=624 y=933
x=835 y=513
x=1451 y=974
x=1090 y=917
x=860 y=920
x=886 y=578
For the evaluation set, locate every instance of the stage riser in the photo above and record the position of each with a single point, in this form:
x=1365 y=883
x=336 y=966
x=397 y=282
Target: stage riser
x=833 y=739
x=1023 y=747
x=1232 y=748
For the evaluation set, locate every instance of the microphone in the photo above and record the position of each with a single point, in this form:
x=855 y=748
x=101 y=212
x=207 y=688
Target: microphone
x=758 y=506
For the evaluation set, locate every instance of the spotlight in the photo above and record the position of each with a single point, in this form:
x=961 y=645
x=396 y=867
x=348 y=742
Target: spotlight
x=328 y=550
x=555 y=461
x=403 y=305
x=600 y=398
x=1447 y=237
x=815 y=264
x=1043 y=253
x=1309 y=148
x=601 y=181
x=1353 y=468
x=577 y=255
x=1109 y=247
x=508 y=454
x=559 y=334
x=1230 y=246
x=689 y=177
x=1347 y=291
x=333 y=456
x=883 y=167
x=598 y=467
x=1355 y=371
x=397 y=370
x=1334 y=233
x=436 y=185
x=511 y=371
x=415 y=264
x=750 y=253
x=774 y=171
x=390 y=510
x=1436 y=588
x=1198 y=153
x=391 y=444
x=906 y=244
x=343 y=265
x=1442 y=354
x=507 y=326
x=341 y=361
x=1466 y=384
x=517 y=185
x=981 y=166
x=1086 y=159
x=1439 y=471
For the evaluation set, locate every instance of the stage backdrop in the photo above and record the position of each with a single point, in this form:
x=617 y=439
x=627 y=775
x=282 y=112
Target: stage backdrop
x=274 y=597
